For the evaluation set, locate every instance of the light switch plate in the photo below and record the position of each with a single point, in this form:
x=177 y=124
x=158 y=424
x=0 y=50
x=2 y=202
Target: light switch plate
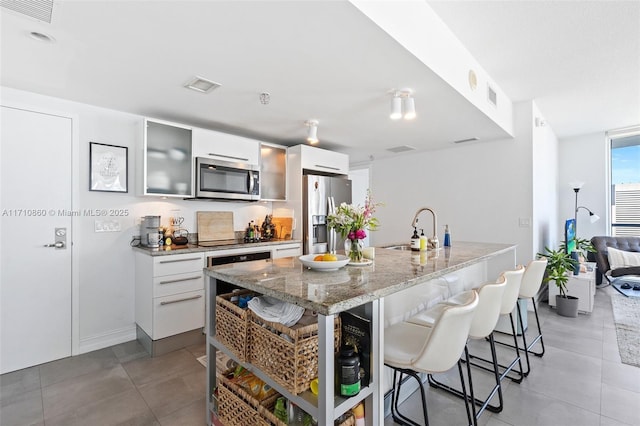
x=108 y=225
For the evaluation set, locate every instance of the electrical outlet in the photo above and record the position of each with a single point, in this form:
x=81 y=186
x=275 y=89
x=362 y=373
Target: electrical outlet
x=525 y=222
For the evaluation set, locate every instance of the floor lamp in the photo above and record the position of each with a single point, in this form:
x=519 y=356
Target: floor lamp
x=592 y=216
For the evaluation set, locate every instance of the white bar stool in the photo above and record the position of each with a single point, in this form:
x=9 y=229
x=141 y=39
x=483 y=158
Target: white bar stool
x=411 y=349
x=531 y=282
x=509 y=302
x=484 y=321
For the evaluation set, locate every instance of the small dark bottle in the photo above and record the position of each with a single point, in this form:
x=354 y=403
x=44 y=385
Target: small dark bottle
x=348 y=369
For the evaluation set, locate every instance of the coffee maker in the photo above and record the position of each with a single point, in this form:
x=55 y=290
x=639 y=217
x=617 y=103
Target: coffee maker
x=149 y=231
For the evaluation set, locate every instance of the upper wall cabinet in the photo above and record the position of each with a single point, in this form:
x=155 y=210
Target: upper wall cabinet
x=273 y=172
x=322 y=160
x=168 y=169
x=225 y=147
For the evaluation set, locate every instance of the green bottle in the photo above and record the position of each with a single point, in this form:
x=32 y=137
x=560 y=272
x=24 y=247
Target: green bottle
x=280 y=410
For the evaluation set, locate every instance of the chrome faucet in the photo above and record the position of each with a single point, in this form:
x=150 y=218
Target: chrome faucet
x=433 y=241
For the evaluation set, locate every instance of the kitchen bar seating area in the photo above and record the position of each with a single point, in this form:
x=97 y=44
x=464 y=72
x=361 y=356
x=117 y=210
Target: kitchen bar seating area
x=580 y=380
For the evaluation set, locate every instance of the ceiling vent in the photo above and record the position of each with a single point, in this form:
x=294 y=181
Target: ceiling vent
x=466 y=140
x=401 y=148
x=36 y=9
x=202 y=85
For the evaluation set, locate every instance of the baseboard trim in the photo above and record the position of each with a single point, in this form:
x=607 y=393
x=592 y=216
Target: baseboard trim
x=110 y=338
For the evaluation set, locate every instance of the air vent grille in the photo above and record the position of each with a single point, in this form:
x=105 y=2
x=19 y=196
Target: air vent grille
x=42 y=10
x=401 y=148
x=466 y=140
x=492 y=96
x=202 y=85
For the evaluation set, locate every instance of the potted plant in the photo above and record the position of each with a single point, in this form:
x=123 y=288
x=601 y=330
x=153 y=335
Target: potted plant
x=559 y=263
x=583 y=247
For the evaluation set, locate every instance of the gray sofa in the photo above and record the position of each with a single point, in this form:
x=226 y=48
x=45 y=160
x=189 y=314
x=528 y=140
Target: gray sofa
x=601 y=245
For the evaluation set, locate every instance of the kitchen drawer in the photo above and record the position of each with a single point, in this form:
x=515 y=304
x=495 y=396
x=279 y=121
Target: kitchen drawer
x=177 y=314
x=177 y=264
x=178 y=283
x=286 y=250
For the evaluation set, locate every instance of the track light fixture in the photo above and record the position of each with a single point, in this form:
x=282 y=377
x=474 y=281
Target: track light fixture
x=403 y=105
x=396 y=108
x=312 y=134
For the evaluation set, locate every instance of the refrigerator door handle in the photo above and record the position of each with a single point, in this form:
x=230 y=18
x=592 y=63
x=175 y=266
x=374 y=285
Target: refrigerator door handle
x=332 y=205
x=332 y=232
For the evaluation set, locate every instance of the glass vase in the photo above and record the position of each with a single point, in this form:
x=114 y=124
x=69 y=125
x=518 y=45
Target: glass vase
x=353 y=249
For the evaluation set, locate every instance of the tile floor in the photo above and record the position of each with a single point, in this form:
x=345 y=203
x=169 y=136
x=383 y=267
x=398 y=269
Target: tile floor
x=579 y=381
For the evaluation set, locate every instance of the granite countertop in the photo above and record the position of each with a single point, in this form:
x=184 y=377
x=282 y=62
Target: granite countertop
x=195 y=248
x=331 y=292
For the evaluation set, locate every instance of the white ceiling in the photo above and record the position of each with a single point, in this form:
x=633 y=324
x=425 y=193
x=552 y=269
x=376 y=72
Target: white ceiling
x=325 y=60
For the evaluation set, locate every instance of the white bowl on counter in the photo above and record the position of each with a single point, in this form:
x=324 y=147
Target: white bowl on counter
x=324 y=265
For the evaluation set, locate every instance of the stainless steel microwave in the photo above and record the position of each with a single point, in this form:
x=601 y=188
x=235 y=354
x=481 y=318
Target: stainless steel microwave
x=227 y=180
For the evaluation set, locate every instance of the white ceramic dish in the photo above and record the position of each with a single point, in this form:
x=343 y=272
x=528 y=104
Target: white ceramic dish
x=307 y=261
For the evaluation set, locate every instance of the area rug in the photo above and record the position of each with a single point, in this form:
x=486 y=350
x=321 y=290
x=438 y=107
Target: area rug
x=626 y=315
x=632 y=281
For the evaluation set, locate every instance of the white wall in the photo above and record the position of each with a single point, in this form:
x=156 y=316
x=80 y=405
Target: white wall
x=481 y=190
x=585 y=159
x=105 y=263
x=359 y=186
x=546 y=223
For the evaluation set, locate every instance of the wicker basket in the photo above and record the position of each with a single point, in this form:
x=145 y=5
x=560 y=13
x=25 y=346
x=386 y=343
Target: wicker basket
x=231 y=323
x=350 y=420
x=236 y=407
x=293 y=361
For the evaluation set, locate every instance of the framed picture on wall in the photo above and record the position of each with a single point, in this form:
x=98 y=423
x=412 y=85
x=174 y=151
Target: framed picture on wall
x=108 y=170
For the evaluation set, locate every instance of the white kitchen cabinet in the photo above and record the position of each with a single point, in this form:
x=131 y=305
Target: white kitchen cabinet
x=582 y=286
x=286 y=250
x=322 y=160
x=169 y=293
x=300 y=160
x=167 y=159
x=273 y=172
x=225 y=147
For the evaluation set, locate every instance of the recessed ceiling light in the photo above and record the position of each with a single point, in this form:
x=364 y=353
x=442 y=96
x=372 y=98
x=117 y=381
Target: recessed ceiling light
x=202 y=85
x=46 y=38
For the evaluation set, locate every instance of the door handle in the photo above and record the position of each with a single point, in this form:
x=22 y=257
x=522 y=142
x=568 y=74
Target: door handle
x=60 y=239
x=169 y=302
x=57 y=245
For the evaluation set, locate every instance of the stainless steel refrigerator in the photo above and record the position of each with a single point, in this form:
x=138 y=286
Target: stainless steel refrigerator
x=321 y=195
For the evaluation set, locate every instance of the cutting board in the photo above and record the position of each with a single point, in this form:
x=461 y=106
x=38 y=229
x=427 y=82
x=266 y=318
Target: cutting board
x=283 y=227
x=214 y=226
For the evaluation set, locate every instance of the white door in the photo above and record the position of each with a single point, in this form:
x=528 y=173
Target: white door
x=35 y=196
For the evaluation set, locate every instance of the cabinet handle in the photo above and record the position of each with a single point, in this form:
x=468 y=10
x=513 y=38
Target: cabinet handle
x=181 y=279
x=285 y=249
x=181 y=300
x=327 y=167
x=179 y=260
x=228 y=156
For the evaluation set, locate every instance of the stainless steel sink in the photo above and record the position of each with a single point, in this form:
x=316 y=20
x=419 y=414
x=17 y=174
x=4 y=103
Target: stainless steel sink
x=399 y=247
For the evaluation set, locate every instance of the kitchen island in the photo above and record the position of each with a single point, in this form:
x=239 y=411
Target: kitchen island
x=363 y=289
